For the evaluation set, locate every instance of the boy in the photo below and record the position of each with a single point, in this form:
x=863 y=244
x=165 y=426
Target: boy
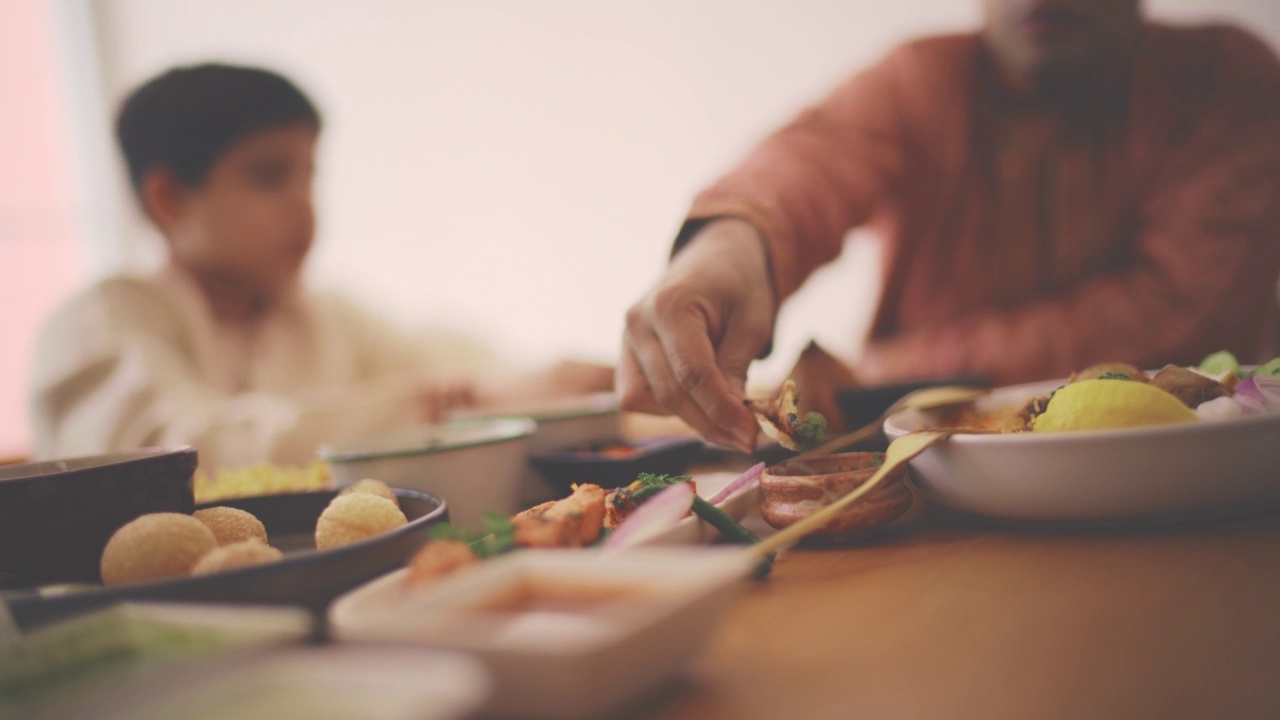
x=223 y=348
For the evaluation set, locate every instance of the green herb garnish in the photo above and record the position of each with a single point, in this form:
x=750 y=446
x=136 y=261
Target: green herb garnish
x=811 y=430
x=497 y=537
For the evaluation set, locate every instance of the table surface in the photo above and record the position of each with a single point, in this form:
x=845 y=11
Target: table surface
x=947 y=617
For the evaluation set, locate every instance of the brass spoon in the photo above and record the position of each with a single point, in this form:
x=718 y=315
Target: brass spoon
x=899 y=452
x=923 y=399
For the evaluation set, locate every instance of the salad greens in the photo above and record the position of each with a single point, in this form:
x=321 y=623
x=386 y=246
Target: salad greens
x=1223 y=362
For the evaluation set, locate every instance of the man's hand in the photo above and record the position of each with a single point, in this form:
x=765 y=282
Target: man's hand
x=689 y=340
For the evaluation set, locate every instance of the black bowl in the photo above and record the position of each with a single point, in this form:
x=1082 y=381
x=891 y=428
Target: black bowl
x=860 y=406
x=56 y=516
x=306 y=576
x=616 y=463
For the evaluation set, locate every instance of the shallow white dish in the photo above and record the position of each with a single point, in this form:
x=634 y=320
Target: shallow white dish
x=564 y=633
x=1192 y=470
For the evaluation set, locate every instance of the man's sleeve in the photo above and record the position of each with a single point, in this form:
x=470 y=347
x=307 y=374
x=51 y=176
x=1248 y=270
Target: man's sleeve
x=812 y=181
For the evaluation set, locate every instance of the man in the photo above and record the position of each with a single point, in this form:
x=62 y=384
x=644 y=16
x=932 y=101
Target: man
x=1070 y=185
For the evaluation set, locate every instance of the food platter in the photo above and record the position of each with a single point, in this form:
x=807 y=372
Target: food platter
x=306 y=576
x=1173 y=472
x=384 y=592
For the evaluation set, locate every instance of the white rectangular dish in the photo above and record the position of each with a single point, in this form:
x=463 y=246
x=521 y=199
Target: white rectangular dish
x=564 y=634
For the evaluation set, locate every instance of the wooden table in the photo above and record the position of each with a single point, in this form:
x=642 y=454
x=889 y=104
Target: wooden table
x=944 y=617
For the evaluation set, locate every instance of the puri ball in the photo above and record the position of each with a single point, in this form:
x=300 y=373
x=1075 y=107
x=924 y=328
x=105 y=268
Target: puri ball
x=356 y=516
x=153 y=546
x=237 y=555
x=372 y=487
x=232 y=525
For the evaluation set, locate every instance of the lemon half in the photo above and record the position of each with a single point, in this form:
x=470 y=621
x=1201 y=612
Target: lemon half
x=1105 y=404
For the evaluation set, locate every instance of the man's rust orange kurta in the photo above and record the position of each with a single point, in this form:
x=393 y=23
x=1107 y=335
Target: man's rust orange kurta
x=1137 y=221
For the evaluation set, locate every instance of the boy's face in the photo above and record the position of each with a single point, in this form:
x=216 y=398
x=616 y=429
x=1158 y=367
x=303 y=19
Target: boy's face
x=251 y=223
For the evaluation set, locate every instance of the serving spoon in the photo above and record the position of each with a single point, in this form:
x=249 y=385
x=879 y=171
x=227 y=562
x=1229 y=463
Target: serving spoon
x=930 y=398
x=900 y=451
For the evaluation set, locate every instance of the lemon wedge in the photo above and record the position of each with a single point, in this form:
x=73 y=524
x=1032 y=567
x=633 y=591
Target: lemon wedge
x=1105 y=404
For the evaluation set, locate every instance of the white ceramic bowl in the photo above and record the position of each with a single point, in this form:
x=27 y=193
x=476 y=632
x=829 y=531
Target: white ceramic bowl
x=1193 y=470
x=475 y=466
x=562 y=423
x=564 y=633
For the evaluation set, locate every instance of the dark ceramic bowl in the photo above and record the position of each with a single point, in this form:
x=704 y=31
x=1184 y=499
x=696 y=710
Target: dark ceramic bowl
x=306 y=576
x=863 y=405
x=56 y=516
x=615 y=463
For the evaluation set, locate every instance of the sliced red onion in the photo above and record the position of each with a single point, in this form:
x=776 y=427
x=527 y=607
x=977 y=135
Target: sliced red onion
x=1258 y=394
x=738 y=483
x=1223 y=408
x=653 y=517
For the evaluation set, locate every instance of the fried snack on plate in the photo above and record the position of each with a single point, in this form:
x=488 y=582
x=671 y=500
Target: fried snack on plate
x=574 y=521
x=621 y=502
x=154 y=546
x=779 y=419
x=1189 y=386
x=372 y=487
x=437 y=559
x=232 y=525
x=354 y=517
x=237 y=555
x=823 y=377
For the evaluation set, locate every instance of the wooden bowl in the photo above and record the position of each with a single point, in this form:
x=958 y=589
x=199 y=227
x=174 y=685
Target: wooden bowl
x=795 y=489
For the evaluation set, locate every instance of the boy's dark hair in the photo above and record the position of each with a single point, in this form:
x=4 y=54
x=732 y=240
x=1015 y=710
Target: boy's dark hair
x=186 y=118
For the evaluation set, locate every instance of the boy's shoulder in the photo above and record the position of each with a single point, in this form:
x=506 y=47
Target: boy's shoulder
x=115 y=301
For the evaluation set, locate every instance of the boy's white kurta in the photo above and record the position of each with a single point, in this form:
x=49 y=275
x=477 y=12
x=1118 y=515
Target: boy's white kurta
x=140 y=361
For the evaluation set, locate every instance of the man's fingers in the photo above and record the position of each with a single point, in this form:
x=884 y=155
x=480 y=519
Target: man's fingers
x=687 y=348
x=632 y=388
x=668 y=390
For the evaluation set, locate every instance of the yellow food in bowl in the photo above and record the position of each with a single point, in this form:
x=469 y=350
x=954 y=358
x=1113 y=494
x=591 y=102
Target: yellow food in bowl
x=261 y=479
x=1108 y=404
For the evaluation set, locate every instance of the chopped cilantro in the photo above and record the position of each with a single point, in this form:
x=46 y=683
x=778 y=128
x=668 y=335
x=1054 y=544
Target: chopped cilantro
x=497 y=537
x=1114 y=376
x=811 y=431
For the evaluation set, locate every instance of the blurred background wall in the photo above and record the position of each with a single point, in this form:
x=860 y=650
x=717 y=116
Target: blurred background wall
x=509 y=168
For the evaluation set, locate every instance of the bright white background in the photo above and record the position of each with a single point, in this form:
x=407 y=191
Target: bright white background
x=511 y=167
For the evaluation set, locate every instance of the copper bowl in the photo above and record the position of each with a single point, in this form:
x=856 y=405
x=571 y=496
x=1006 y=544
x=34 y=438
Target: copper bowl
x=796 y=489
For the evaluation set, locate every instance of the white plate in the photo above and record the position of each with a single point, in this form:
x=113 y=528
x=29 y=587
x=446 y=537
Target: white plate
x=1200 y=469
x=564 y=633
